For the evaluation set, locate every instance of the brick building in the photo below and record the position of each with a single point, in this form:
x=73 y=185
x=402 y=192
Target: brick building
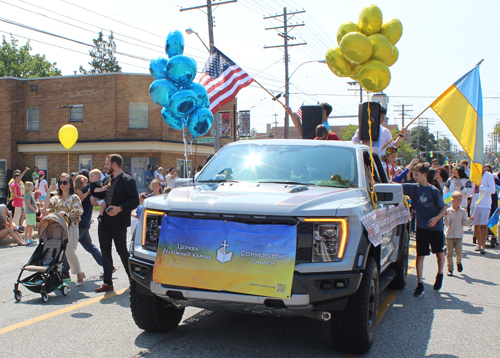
x=113 y=114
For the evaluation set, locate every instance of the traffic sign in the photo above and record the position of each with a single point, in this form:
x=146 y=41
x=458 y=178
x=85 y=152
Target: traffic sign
x=205 y=140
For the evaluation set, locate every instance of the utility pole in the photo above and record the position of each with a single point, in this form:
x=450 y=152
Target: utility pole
x=356 y=83
x=212 y=43
x=403 y=112
x=283 y=32
x=426 y=122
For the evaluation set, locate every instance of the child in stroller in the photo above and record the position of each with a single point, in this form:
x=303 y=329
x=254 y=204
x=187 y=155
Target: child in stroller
x=47 y=259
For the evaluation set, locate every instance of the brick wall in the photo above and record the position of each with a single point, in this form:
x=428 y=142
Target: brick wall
x=105 y=99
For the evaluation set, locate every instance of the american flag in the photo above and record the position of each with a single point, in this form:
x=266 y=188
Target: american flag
x=222 y=79
x=299 y=112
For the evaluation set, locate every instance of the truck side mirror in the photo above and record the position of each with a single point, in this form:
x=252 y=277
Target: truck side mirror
x=389 y=193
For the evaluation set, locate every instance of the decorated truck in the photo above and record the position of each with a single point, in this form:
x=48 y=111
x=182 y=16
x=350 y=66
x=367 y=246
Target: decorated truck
x=275 y=227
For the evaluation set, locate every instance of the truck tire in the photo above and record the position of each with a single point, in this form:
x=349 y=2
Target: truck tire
x=152 y=313
x=401 y=267
x=353 y=329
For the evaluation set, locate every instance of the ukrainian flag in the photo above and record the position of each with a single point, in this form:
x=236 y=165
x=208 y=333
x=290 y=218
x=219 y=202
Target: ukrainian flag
x=447 y=197
x=493 y=221
x=461 y=109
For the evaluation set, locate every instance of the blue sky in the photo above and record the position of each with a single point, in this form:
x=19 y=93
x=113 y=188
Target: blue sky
x=441 y=41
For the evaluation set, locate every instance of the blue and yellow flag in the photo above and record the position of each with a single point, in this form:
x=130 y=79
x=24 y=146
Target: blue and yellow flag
x=493 y=221
x=461 y=109
x=447 y=197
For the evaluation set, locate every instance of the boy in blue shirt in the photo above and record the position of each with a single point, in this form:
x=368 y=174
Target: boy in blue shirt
x=429 y=208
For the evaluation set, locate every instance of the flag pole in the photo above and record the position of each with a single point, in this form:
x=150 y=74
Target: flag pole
x=274 y=97
x=405 y=127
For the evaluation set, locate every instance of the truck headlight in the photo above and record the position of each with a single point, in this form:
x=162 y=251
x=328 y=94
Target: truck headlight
x=329 y=239
x=151 y=227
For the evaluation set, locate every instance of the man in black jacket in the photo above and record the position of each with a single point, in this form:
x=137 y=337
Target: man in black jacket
x=121 y=198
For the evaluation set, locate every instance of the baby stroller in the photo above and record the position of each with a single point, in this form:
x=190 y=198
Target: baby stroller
x=47 y=259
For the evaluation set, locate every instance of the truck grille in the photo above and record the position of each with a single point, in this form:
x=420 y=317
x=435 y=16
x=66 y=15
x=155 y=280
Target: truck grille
x=304 y=229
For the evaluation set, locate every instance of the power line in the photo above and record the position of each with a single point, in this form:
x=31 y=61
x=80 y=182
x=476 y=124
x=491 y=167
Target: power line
x=65 y=48
x=108 y=17
x=99 y=27
x=65 y=38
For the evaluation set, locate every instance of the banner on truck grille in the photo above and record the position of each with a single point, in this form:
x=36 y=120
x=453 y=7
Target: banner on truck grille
x=226 y=256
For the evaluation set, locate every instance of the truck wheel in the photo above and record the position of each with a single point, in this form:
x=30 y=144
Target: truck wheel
x=353 y=329
x=401 y=267
x=152 y=313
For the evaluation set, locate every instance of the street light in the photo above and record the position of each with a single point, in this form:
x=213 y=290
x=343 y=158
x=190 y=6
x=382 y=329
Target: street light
x=319 y=61
x=190 y=31
x=287 y=90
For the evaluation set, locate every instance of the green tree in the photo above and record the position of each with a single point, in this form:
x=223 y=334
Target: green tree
x=406 y=152
x=103 y=56
x=17 y=61
x=346 y=133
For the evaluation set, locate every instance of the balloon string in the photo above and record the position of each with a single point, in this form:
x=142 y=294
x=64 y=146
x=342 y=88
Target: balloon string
x=373 y=195
x=185 y=150
x=68 y=161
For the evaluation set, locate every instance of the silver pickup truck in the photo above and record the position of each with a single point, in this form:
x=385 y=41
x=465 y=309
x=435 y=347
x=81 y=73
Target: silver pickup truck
x=321 y=189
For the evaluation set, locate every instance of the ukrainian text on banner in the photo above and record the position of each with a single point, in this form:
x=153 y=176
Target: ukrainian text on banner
x=226 y=256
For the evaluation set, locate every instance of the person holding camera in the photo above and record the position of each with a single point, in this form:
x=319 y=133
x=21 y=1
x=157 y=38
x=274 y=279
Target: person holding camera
x=121 y=198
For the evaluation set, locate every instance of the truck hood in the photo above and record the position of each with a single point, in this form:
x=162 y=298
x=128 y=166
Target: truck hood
x=256 y=199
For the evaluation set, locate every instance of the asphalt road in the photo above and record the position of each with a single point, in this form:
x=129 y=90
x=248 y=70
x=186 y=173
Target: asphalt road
x=461 y=320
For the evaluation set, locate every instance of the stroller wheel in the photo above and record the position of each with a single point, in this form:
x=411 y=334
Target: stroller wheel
x=45 y=297
x=65 y=290
x=18 y=295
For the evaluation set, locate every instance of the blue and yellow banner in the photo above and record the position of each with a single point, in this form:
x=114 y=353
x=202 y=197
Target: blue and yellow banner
x=493 y=221
x=461 y=109
x=226 y=256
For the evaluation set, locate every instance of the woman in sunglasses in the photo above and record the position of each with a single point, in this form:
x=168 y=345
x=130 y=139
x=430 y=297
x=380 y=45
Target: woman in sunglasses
x=69 y=205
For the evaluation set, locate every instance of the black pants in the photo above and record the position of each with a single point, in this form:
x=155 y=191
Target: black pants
x=108 y=235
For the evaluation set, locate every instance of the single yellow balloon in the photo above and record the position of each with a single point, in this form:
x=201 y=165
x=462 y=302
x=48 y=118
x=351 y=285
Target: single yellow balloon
x=68 y=135
x=382 y=48
x=395 y=55
x=345 y=28
x=356 y=47
x=393 y=30
x=374 y=76
x=354 y=71
x=370 y=20
x=337 y=63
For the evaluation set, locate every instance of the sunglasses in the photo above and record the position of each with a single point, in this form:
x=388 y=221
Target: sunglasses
x=63 y=182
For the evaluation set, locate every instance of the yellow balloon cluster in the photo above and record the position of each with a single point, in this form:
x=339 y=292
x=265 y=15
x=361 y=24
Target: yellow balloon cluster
x=366 y=49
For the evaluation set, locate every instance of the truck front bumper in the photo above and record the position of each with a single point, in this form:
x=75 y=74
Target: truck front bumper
x=321 y=292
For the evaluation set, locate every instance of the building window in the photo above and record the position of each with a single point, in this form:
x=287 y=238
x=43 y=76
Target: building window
x=85 y=162
x=138 y=115
x=42 y=163
x=76 y=113
x=33 y=119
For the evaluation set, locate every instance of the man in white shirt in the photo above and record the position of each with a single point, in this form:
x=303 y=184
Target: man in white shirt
x=172 y=174
x=482 y=209
x=384 y=136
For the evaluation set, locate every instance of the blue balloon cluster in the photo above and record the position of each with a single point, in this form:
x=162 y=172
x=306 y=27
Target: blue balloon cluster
x=185 y=104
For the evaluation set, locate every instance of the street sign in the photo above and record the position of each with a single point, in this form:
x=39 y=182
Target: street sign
x=213 y=131
x=205 y=140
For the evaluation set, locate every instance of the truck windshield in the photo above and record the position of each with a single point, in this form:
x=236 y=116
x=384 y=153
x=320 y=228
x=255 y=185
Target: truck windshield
x=322 y=165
